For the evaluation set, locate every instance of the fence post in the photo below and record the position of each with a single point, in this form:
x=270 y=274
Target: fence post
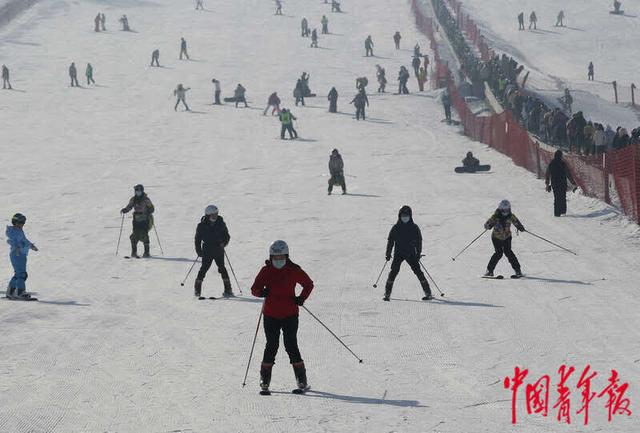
x=615 y=90
x=538 y=159
x=633 y=94
x=605 y=165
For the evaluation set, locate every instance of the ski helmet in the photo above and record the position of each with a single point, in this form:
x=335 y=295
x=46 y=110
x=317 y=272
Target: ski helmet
x=504 y=205
x=469 y=154
x=18 y=219
x=138 y=187
x=211 y=210
x=279 y=248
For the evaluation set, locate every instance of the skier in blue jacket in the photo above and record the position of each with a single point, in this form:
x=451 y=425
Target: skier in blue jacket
x=20 y=247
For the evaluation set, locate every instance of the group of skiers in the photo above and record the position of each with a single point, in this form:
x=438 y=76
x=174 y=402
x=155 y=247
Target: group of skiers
x=99 y=22
x=73 y=75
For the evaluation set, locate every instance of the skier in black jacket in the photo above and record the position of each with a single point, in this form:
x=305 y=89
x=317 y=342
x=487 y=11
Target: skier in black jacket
x=556 y=177
x=211 y=239
x=406 y=237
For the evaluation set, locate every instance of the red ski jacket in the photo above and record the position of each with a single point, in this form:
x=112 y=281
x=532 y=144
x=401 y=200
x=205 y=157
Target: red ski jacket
x=280 y=302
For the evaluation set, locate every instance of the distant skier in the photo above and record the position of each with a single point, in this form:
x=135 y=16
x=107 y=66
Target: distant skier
x=183 y=49
x=403 y=77
x=556 y=178
x=325 y=25
x=276 y=282
x=73 y=74
x=568 y=100
x=590 y=72
x=500 y=222
x=560 y=18
x=103 y=21
x=416 y=50
x=362 y=83
x=286 y=120
x=298 y=92
x=533 y=20
x=216 y=92
x=333 y=100
x=446 y=104
x=382 y=78
x=422 y=78
x=181 y=92
x=239 y=95
x=336 y=170
x=89 y=74
x=521 y=21
x=415 y=63
x=314 y=38
x=278 y=7
x=212 y=237
x=125 y=23
x=426 y=62
x=335 y=6
x=405 y=240
x=304 y=26
x=199 y=5
x=19 y=250
x=368 y=46
x=616 y=7
x=96 y=21
x=359 y=101
x=396 y=39
x=142 y=220
x=470 y=161
x=273 y=101
x=5 y=77
x=155 y=57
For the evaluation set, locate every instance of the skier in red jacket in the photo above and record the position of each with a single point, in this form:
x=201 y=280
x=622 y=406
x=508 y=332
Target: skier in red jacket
x=277 y=282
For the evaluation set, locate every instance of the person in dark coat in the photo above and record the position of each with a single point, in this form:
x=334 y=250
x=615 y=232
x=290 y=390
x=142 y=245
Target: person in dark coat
x=446 y=103
x=212 y=237
x=405 y=240
x=590 y=72
x=298 y=92
x=73 y=74
x=556 y=178
x=273 y=101
x=333 y=100
x=359 y=102
x=336 y=169
x=470 y=161
x=396 y=39
x=403 y=77
x=521 y=21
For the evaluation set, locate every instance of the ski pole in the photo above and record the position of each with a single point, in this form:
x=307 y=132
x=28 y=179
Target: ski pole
x=232 y=272
x=158 y=237
x=552 y=243
x=253 y=345
x=337 y=338
x=189 y=272
x=120 y=235
x=471 y=243
x=381 y=271
x=431 y=278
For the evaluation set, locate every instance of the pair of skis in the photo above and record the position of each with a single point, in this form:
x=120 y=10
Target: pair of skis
x=501 y=277
x=297 y=391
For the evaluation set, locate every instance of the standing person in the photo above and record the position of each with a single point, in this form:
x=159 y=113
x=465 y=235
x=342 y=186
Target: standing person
x=368 y=46
x=278 y=7
x=422 y=78
x=396 y=40
x=5 y=77
x=183 y=48
x=142 y=220
x=335 y=6
x=416 y=50
x=415 y=62
x=426 y=63
x=199 y=5
x=560 y=18
x=304 y=25
x=336 y=169
x=359 y=101
x=103 y=21
x=521 y=21
x=382 y=78
x=276 y=282
x=446 y=103
x=155 y=57
x=298 y=92
x=216 y=92
x=556 y=178
x=73 y=74
x=89 y=74
x=533 y=20
x=500 y=222
x=96 y=21
x=273 y=101
x=212 y=237
x=286 y=119
x=405 y=240
x=125 y=23
x=403 y=77
x=19 y=250
x=314 y=38
x=333 y=100
x=590 y=72
x=325 y=25
x=181 y=92
x=239 y=95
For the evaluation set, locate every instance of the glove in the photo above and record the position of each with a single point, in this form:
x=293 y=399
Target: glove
x=548 y=188
x=34 y=248
x=123 y=210
x=487 y=226
x=265 y=292
x=388 y=257
x=521 y=228
x=199 y=253
x=299 y=300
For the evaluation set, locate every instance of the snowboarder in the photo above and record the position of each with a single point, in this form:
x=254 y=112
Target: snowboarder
x=336 y=169
x=73 y=74
x=470 y=161
x=396 y=39
x=403 y=77
x=298 y=92
x=183 y=48
x=180 y=92
x=212 y=237
x=368 y=46
x=382 y=79
x=422 y=78
x=199 y=5
x=500 y=222
x=273 y=101
x=125 y=23
x=335 y=6
x=560 y=18
x=89 y=74
x=590 y=72
x=304 y=25
x=142 y=220
x=446 y=103
x=359 y=101
x=405 y=239
x=556 y=178
x=276 y=282
x=239 y=95
x=415 y=62
x=216 y=92
x=286 y=119
x=103 y=21
x=325 y=25
x=521 y=21
x=5 y=77
x=19 y=250
x=314 y=38
x=333 y=100
x=278 y=7
x=533 y=20
x=155 y=57
x=96 y=21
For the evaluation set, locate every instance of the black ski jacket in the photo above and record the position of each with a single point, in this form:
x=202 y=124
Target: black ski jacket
x=211 y=238
x=557 y=174
x=406 y=237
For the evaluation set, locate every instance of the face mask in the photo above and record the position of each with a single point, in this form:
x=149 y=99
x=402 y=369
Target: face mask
x=138 y=193
x=505 y=212
x=213 y=218
x=279 y=264
x=405 y=219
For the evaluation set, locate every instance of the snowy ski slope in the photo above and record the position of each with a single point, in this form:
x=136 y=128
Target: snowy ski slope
x=118 y=346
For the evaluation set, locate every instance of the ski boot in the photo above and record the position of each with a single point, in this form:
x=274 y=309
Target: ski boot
x=197 y=288
x=427 y=290
x=134 y=249
x=518 y=274
x=146 y=251
x=387 y=290
x=21 y=295
x=228 y=293
x=265 y=378
x=488 y=273
x=301 y=375
x=10 y=292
